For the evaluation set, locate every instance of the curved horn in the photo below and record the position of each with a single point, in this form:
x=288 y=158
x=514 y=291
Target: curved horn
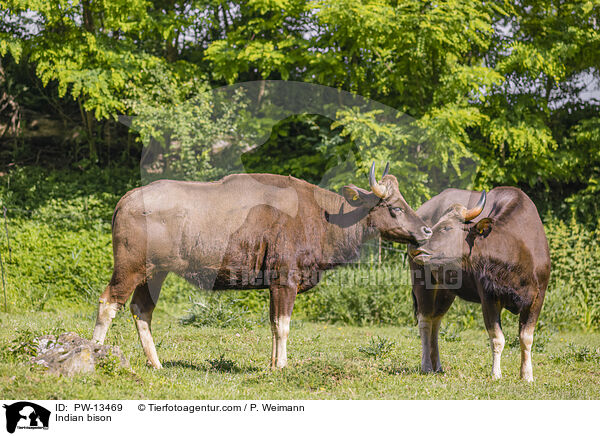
x=473 y=213
x=386 y=171
x=378 y=190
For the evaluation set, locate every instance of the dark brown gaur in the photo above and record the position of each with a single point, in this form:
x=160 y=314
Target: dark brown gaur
x=246 y=231
x=500 y=260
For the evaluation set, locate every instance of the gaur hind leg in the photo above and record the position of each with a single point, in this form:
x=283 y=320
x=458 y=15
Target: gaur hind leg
x=142 y=305
x=281 y=304
x=116 y=294
x=527 y=321
x=491 y=317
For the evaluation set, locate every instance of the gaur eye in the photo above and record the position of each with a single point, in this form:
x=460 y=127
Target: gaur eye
x=396 y=211
x=446 y=228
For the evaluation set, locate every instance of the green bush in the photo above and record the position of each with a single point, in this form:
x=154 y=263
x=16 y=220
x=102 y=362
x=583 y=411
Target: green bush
x=378 y=347
x=578 y=353
x=110 y=365
x=222 y=365
x=216 y=310
x=24 y=345
x=356 y=295
x=450 y=333
x=573 y=297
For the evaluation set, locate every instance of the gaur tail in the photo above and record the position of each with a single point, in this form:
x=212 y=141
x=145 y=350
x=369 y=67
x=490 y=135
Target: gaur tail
x=114 y=216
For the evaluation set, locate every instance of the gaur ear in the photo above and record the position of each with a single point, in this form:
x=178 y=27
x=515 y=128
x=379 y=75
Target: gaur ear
x=484 y=227
x=356 y=196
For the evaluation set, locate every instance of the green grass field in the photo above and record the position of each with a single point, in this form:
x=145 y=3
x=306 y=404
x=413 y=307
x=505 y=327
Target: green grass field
x=325 y=362
x=360 y=342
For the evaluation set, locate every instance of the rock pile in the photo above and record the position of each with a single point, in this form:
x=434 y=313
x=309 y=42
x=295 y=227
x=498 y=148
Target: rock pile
x=70 y=354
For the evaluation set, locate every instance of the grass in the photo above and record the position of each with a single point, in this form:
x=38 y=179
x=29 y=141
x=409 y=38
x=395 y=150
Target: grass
x=358 y=344
x=325 y=362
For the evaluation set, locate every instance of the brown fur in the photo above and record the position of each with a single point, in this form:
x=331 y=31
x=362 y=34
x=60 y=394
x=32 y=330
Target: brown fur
x=246 y=232
x=502 y=256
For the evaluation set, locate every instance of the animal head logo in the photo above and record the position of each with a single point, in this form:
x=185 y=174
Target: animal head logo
x=24 y=414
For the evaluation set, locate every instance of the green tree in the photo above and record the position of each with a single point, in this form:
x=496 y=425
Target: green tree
x=543 y=127
x=499 y=84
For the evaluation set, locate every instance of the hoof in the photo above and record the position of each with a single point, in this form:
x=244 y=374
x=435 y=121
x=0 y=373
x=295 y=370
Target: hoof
x=527 y=375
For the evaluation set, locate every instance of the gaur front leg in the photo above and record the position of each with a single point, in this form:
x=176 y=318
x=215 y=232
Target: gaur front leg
x=281 y=304
x=424 y=304
x=429 y=328
x=435 y=350
x=431 y=306
x=425 y=329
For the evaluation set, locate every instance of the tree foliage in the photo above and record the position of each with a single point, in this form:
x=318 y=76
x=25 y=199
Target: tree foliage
x=507 y=87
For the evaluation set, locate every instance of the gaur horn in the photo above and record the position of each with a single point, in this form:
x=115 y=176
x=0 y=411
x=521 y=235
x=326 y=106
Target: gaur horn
x=470 y=214
x=386 y=171
x=378 y=190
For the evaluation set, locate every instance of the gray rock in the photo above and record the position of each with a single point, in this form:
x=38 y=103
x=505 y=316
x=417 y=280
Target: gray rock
x=70 y=354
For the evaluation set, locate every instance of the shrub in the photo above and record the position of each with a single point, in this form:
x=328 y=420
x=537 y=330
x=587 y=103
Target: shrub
x=110 y=365
x=573 y=297
x=25 y=344
x=378 y=347
x=357 y=295
x=579 y=353
x=216 y=310
x=450 y=334
x=222 y=365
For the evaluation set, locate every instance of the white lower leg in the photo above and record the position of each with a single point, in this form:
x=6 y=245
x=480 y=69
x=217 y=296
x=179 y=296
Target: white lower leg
x=497 y=345
x=425 y=329
x=106 y=313
x=142 y=323
x=282 y=327
x=526 y=339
